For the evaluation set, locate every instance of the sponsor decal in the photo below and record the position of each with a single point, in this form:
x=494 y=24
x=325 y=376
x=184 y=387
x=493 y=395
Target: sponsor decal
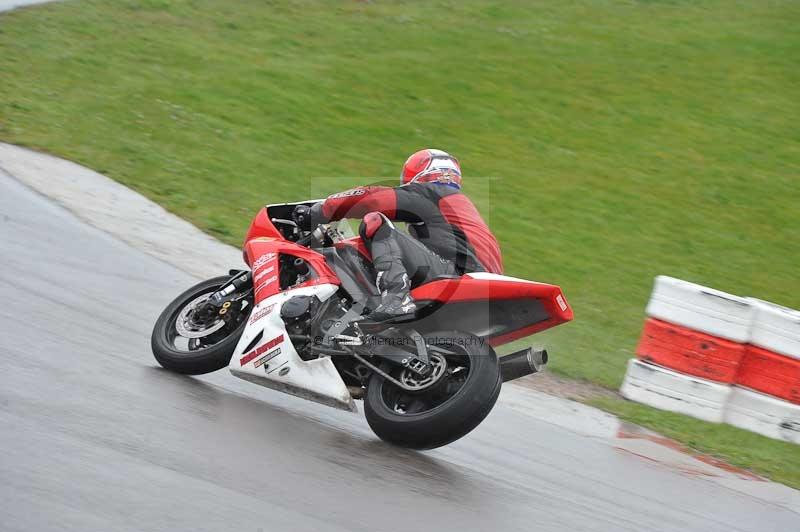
x=561 y=302
x=261 y=350
x=257 y=315
x=262 y=273
x=282 y=373
x=266 y=283
x=349 y=193
x=263 y=259
x=266 y=358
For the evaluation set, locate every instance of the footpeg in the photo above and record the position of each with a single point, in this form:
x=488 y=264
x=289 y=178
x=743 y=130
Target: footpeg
x=357 y=392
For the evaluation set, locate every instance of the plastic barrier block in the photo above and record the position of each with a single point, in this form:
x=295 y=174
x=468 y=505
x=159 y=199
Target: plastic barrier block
x=770 y=373
x=700 y=308
x=691 y=352
x=763 y=414
x=667 y=390
x=775 y=328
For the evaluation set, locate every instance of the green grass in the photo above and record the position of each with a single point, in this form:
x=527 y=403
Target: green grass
x=606 y=142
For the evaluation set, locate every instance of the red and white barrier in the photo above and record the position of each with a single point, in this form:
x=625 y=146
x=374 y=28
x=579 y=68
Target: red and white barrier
x=775 y=328
x=701 y=309
x=690 y=352
x=669 y=390
x=719 y=357
x=770 y=373
x=763 y=414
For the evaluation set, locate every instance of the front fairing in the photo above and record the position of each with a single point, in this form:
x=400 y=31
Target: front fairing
x=265 y=354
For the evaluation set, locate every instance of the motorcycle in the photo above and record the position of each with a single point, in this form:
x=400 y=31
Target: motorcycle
x=294 y=322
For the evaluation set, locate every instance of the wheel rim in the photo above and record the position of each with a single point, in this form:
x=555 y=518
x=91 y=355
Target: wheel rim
x=455 y=368
x=188 y=332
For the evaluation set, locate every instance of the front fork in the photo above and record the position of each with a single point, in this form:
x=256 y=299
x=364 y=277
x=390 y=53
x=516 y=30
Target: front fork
x=219 y=302
x=239 y=279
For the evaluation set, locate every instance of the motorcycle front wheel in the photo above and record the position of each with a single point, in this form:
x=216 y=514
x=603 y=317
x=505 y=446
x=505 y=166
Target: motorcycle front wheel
x=185 y=342
x=460 y=397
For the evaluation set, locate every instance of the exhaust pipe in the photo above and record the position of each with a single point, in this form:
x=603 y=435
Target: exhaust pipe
x=522 y=363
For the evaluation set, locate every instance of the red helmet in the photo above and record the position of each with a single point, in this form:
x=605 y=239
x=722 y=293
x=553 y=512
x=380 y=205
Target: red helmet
x=431 y=165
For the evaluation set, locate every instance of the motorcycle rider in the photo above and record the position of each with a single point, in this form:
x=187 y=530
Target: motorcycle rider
x=446 y=234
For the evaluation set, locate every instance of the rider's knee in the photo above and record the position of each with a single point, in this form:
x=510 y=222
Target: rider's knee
x=372 y=223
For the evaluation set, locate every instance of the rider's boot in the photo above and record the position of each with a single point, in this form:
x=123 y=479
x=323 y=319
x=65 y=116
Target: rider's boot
x=392 y=280
x=394 y=307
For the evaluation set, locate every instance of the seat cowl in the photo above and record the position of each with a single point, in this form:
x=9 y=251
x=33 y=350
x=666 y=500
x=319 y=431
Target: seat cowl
x=494 y=289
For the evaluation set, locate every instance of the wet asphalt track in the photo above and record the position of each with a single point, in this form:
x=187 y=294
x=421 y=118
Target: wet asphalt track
x=94 y=436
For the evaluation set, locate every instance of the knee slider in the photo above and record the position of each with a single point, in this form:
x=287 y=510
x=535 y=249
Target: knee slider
x=370 y=224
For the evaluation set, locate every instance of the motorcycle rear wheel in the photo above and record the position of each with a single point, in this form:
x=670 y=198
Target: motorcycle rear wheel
x=449 y=410
x=201 y=355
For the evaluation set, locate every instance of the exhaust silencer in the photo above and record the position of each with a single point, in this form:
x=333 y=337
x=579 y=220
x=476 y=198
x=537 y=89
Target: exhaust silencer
x=522 y=363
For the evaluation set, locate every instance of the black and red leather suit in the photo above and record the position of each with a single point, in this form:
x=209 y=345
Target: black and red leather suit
x=447 y=235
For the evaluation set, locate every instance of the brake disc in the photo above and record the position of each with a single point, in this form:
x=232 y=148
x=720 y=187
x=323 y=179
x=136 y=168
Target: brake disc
x=188 y=328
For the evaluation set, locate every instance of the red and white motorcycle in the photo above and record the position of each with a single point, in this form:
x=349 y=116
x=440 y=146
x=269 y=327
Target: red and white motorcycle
x=294 y=323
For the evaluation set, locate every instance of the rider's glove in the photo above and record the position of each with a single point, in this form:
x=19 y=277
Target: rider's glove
x=302 y=217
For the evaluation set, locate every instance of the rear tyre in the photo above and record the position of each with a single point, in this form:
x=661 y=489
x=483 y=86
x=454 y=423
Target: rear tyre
x=445 y=411
x=205 y=350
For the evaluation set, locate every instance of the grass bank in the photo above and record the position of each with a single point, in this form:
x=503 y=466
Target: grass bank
x=606 y=142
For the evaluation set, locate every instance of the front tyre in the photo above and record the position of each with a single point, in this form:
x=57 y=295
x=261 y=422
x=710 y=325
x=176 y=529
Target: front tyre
x=188 y=342
x=446 y=410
